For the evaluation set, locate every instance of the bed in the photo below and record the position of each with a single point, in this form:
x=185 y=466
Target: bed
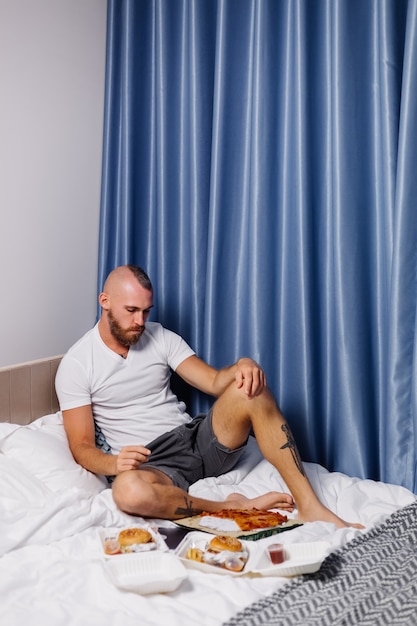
x=53 y=514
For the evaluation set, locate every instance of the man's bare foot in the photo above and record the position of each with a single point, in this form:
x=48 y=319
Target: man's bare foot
x=319 y=513
x=270 y=500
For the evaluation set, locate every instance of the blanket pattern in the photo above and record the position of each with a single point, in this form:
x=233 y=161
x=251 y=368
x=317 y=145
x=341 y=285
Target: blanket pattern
x=371 y=581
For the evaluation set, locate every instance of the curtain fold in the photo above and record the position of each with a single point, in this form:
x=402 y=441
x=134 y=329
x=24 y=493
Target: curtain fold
x=259 y=164
x=399 y=432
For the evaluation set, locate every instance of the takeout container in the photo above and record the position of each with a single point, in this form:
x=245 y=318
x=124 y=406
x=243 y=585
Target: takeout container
x=111 y=534
x=196 y=523
x=299 y=558
x=199 y=540
x=146 y=573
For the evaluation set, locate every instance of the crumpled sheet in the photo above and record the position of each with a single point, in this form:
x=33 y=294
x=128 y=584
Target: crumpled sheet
x=51 y=565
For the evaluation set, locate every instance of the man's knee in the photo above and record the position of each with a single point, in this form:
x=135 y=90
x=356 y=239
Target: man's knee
x=124 y=490
x=133 y=490
x=234 y=396
x=241 y=404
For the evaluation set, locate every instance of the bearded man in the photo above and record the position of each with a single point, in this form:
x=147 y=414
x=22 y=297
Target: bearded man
x=117 y=379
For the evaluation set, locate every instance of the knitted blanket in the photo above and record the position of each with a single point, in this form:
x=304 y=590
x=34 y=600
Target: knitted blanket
x=371 y=581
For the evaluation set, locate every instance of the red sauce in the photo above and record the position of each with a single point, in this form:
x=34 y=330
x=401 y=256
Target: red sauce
x=276 y=553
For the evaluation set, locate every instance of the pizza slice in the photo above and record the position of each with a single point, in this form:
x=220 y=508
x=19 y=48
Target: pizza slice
x=250 y=519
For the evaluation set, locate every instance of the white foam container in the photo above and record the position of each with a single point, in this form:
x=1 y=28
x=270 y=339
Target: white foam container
x=300 y=558
x=112 y=533
x=149 y=572
x=199 y=539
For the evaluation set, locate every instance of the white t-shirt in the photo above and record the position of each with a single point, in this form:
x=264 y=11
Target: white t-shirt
x=131 y=398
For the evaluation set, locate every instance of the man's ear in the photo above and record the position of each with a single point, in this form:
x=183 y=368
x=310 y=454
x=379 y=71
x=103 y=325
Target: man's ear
x=104 y=301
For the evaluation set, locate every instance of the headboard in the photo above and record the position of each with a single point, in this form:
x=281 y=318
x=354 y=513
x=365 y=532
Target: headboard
x=27 y=390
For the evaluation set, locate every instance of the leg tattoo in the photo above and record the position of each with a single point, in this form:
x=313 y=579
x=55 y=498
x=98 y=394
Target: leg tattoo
x=188 y=510
x=293 y=448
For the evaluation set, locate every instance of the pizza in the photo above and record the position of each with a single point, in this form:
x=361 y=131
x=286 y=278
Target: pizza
x=250 y=519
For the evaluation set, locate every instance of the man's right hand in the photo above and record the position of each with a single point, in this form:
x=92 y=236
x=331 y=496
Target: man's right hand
x=79 y=426
x=131 y=457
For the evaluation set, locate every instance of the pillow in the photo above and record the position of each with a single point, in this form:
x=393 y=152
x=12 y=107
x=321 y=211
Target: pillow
x=6 y=428
x=42 y=448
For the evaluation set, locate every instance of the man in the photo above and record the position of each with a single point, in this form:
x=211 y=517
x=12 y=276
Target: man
x=117 y=377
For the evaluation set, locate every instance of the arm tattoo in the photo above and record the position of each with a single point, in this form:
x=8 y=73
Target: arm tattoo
x=188 y=510
x=293 y=448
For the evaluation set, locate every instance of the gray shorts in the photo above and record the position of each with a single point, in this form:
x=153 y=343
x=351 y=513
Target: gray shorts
x=190 y=452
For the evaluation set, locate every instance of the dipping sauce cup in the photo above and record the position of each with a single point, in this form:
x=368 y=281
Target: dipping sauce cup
x=276 y=553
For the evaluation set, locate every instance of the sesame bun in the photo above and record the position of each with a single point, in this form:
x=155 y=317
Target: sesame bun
x=133 y=536
x=223 y=542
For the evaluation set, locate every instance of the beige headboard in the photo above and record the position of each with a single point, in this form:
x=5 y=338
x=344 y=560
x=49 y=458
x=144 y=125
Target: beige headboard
x=27 y=391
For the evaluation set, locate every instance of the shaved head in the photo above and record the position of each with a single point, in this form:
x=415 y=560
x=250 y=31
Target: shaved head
x=123 y=274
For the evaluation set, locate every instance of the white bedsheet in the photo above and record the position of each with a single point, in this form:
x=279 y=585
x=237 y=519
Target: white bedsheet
x=51 y=562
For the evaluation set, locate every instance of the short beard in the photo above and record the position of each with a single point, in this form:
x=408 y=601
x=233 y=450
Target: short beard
x=122 y=336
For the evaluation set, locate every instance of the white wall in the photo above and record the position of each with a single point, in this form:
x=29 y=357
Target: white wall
x=52 y=64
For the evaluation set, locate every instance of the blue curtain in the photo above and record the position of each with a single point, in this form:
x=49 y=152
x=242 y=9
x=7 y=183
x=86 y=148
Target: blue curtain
x=260 y=162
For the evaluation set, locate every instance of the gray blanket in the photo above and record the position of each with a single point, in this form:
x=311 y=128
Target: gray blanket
x=371 y=581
